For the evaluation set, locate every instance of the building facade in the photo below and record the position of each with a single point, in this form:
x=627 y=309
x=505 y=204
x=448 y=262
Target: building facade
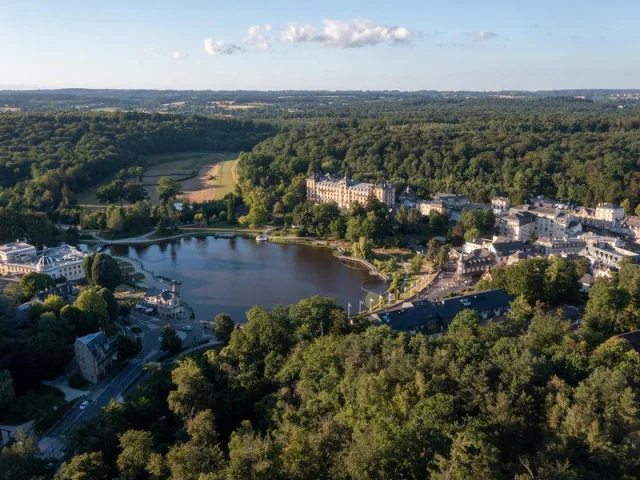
x=500 y=205
x=425 y=207
x=519 y=226
x=609 y=212
x=346 y=192
x=451 y=201
x=94 y=354
x=607 y=251
x=166 y=302
x=559 y=246
x=474 y=264
x=20 y=258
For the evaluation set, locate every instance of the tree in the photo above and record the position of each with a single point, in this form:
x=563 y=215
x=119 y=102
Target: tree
x=414 y=217
x=257 y=216
x=7 y=393
x=104 y=272
x=192 y=389
x=363 y=249
x=22 y=459
x=168 y=188
x=135 y=193
x=604 y=313
x=116 y=219
x=76 y=319
x=442 y=258
x=231 y=209
x=402 y=218
x=471 y=234
x=55 y=304
x=316 y=316
x=416 y=263
x=112 y=193
x=94 y=308
x=472 y=455
x=223 y=326
x=251 y=456
x=202 y=454
x=85 y=466
x=126 y=348
x=34 y=282
x=432 y=250
x=200 y=219
x=170 y=342
x=136 y=449
x=561 y=281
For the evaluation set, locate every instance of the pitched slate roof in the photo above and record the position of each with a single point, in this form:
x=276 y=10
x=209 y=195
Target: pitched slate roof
x=416 y=315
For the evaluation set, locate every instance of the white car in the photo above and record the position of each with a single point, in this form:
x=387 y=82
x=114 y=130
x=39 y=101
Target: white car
x=188 y=328
x=84 y=404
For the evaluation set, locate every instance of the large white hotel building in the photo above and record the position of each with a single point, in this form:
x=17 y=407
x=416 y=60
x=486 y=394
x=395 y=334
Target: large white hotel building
x=346 y=192
x=19 y=258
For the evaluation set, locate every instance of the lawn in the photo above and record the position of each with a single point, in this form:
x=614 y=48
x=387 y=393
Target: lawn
x=203 y=175
x=226 y=179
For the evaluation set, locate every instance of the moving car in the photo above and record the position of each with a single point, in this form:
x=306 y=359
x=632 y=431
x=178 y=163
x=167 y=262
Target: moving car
x=84 y=404
x=188 y=328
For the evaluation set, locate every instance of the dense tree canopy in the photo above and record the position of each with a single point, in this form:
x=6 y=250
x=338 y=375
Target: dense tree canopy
x=294 y=397
x=577 y=157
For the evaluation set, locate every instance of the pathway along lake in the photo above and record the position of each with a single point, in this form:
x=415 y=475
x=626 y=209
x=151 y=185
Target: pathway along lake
x=232 y=274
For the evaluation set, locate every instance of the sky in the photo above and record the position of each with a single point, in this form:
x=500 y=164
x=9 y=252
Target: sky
x=329 y=44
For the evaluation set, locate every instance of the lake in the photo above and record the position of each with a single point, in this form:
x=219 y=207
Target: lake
x=232 y=274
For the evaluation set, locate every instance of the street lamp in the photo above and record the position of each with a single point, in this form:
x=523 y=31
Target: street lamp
x=348 y=310
x=359 y=307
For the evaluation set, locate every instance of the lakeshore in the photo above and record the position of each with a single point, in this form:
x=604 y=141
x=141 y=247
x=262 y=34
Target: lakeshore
x=229 y=273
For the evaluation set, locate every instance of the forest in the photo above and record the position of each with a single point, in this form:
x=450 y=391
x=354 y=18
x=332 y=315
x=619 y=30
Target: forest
x=46 y=158
x=300 y=393
x=578 y=157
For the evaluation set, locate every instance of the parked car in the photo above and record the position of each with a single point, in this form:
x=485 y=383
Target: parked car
x=84 y=404
x=188 y=328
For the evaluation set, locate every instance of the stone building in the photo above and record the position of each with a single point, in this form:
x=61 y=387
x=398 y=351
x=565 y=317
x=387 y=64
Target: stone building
x=345 y=192
x=94 y=355
x=19 y=258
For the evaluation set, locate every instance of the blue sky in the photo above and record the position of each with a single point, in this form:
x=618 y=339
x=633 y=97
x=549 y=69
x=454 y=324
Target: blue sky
x=348 y=44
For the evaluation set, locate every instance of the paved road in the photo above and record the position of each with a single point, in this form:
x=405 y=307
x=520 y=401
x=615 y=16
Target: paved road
x=444 y=285
x=121 y=381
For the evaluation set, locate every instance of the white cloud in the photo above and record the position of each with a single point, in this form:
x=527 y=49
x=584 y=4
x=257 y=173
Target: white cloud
x=178 y=55
x=481 y=35
x=255 y=38
x=353 y=34
x=218 y=47
x=268 y=27
x=296 y=33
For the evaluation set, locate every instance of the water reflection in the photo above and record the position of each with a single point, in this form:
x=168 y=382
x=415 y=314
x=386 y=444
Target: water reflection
x=231 y=275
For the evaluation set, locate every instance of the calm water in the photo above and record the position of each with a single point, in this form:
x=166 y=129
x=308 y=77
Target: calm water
x=232 y=275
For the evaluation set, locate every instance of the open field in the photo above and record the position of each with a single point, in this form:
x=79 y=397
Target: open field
x=203 y=175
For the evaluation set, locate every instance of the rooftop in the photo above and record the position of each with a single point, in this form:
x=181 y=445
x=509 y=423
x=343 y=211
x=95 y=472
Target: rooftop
x=417 y=314
x=13 y=247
